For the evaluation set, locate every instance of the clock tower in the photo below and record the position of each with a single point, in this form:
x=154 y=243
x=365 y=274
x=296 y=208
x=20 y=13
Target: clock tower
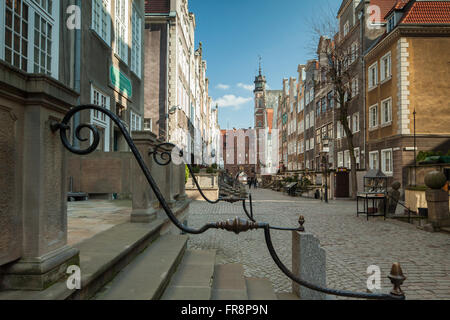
x=260 y=105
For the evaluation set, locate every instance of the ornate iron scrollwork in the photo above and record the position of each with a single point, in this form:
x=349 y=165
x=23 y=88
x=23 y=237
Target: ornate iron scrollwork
x=237 y=225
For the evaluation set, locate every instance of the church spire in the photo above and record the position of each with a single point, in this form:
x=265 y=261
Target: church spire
x=260 y=80
x=260 y=70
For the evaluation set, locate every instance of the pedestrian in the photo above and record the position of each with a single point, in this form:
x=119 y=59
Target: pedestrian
x=256 y=183
x=249 y=183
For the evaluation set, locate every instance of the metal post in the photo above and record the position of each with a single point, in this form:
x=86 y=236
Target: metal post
x=326 y=180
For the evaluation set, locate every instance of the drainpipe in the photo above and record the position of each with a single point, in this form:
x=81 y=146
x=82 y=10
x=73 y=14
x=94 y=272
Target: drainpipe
x=166 y=113
x=77 y=75
x=361 y=28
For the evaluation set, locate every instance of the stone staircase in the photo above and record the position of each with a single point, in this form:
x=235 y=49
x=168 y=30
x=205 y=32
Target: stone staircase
x=167 y=271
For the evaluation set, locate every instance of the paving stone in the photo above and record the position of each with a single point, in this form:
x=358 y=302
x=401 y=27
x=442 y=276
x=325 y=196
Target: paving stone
x=352 y=244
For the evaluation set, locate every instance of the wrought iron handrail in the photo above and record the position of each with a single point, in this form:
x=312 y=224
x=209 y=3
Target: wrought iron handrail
x=237 y=225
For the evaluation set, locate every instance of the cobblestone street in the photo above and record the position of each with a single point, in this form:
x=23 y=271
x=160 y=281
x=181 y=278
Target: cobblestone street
x=352 y=244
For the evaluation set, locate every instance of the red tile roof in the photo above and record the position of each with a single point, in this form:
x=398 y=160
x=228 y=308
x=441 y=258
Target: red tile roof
x=385 y=6
x=157 y=6
x=424 y=12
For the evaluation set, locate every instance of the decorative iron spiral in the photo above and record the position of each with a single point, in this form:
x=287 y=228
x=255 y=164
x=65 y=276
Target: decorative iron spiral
x=164 y=154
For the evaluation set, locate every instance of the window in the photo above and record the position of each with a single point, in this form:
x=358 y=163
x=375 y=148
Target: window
x=355 y=87
x=30 y=35
x=311 y=94
x=330 y=132
x=307 y=145
x=136 y=50
x=373 y=75
x=311 y=118
x=373 y=117
x=385 y=67
x=318 y=137
x=101 y=19
x=357 y=157
x=391 y=23
x=339 y=130
x=98 y=118
x=356 y=122
x=311 y=144
x=16 y=34
x=99 y=99
x=373 y=160
x=354 y=52
x=330 y=98
x=386 y=111
x=307 y=98
x=324 y=104
x=135 y=122
x=347 y=161
x=386 y=162
x=340 y=159
x=121 y=30
x=318 y=108
x=301 y=126
x=307 y=124
x=346 y=28
x=148 y=124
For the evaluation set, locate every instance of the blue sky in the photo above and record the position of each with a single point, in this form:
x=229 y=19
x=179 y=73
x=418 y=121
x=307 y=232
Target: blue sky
x=235 y=32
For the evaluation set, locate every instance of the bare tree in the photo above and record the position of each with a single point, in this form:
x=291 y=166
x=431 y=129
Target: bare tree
x=338 y=58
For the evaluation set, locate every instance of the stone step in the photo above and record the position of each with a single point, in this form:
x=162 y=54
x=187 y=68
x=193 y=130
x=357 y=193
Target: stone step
x=260 y=289
x=445 y=229
x=229 y=283
x=148 y=275
x=193 y=279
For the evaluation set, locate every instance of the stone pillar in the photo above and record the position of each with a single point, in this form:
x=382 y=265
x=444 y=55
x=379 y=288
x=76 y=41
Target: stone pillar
x=182 y=183
x=175 y=187
x=163 y=177
x=143 y=197
x=309 y=263
x=35 y=220
x=437 y=199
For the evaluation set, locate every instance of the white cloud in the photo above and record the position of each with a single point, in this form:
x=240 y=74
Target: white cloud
x=244 y=86
x=231 y=100
x=223 y=86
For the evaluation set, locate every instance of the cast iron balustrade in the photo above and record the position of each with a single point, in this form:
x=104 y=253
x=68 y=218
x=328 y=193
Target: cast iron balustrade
x=236 y=225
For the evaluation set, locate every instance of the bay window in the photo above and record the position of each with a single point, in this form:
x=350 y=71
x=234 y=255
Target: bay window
x=121 y=30
x=29 y=35
x=101 y=19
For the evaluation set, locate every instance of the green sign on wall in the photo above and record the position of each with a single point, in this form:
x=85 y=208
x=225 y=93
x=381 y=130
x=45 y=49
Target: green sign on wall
x=121 y=82
x=285 y=118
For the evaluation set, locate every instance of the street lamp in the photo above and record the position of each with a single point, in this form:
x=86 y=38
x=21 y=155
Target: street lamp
x=325 y=151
